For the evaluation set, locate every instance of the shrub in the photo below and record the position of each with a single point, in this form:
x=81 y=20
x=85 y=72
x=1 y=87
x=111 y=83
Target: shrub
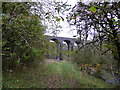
x=87 y=55
x=23 y=40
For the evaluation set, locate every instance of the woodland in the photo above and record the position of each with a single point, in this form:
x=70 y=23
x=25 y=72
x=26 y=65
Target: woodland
x=94 y=64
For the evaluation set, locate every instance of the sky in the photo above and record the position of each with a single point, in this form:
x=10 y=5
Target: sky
x=66 y=29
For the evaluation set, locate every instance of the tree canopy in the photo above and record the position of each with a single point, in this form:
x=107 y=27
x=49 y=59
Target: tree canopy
x=22 y=34
x=101 y=21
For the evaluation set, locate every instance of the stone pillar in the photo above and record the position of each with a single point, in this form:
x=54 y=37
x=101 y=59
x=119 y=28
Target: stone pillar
x=72 y=46
x=68 y=50
x=78 y=45
x=57 y=56
x=71 y=49
x=60 y=50
x=68 y=46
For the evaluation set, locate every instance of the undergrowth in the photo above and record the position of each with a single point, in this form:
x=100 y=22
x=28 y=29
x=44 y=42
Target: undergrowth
x=57 y=74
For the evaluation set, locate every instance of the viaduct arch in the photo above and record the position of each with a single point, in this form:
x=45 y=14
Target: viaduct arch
x=59 y=40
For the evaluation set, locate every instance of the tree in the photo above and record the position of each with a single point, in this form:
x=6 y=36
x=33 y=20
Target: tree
x=52 y=13
x=101 y=21
x=22 y=35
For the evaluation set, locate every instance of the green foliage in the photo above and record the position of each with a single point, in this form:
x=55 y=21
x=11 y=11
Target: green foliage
x=52 y=74
x=87 y=55
x=52 y=50
x=23 y=40
x=96 y=20
x=93 y=9
x=58 y=19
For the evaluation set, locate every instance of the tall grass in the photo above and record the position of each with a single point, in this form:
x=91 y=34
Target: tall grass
x=59 y=74
x=92 y=56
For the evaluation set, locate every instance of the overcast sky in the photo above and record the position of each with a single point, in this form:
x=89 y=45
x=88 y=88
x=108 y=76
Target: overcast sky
x=66 y=30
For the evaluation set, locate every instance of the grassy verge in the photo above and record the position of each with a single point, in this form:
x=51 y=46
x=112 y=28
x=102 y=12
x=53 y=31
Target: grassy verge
x=52 y=74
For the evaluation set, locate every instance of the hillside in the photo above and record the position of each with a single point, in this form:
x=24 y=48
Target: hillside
x=52 y=74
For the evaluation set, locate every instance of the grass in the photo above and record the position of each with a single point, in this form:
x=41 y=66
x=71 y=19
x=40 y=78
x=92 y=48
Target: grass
x=52 y=74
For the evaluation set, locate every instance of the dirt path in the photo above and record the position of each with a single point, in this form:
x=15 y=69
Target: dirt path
x=51 y=60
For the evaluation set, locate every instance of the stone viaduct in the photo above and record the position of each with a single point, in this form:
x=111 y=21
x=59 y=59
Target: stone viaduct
x=59 y=40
